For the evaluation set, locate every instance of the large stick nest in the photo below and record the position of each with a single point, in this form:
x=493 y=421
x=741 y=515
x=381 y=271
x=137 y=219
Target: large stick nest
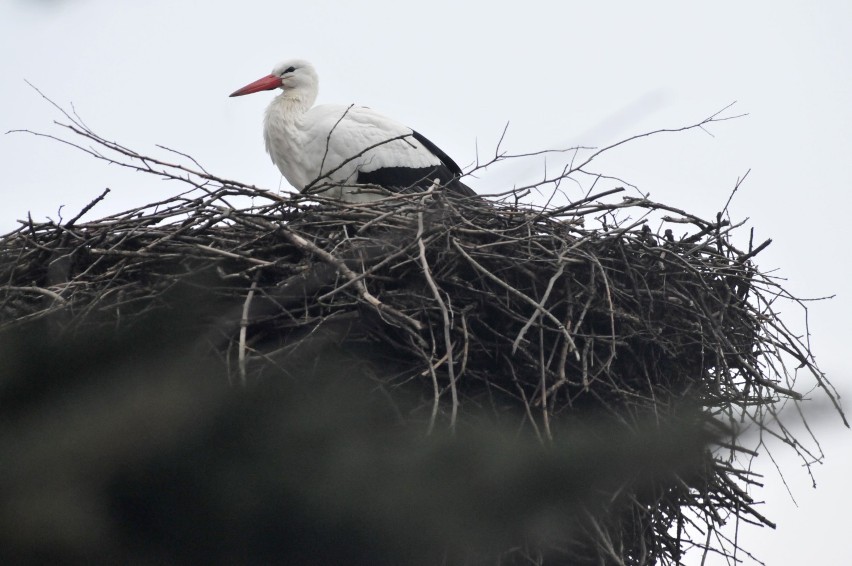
x=484 y=308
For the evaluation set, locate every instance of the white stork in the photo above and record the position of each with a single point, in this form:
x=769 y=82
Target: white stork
x=341 y=151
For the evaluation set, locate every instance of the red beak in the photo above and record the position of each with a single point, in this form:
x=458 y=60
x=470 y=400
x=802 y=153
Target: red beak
x=269 y=82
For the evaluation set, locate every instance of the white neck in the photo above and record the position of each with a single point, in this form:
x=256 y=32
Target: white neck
x=294 y=103
x=283 y=133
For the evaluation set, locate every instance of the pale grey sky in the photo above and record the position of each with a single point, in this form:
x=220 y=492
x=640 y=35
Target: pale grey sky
x=159 y=72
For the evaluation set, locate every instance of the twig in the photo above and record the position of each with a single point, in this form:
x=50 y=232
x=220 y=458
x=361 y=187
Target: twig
x=517 y=293
x=244 y=322
x=341 y=267
x=234 y=255
x=87 y=208
x=540 y=306
x=436 y=293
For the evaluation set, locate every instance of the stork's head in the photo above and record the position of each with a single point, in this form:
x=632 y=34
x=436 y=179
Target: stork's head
x=295 y=77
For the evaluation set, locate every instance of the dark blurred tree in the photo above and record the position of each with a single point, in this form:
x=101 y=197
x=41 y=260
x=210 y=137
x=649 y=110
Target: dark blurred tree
x=130 y=446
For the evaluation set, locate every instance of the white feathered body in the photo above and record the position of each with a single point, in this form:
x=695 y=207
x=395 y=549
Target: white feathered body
x=334 y=143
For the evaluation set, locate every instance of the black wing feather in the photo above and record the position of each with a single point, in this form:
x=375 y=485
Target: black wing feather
x=420 y=177
x=439 y=153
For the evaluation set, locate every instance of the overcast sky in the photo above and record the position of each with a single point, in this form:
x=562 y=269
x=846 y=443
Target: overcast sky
x=566 y=73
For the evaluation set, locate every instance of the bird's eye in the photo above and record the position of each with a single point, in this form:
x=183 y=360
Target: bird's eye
x=289 y=70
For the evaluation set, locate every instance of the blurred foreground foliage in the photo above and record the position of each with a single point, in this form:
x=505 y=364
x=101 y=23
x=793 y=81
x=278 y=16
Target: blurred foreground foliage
x=129 y=446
